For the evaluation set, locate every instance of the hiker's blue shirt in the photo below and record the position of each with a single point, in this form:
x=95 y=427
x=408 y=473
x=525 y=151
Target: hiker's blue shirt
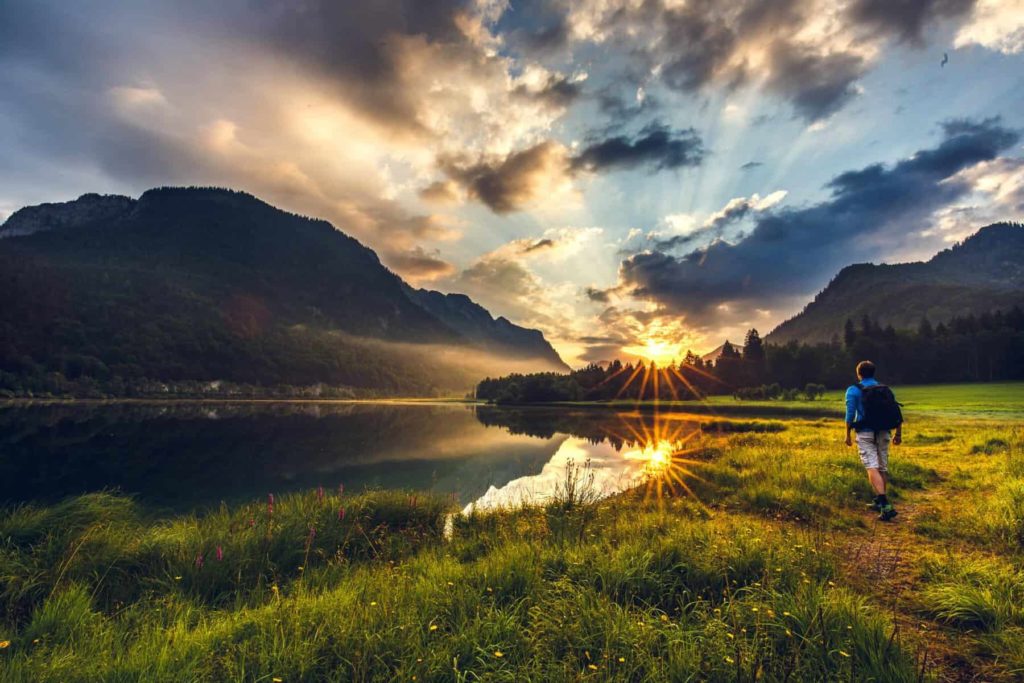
x=855 y=401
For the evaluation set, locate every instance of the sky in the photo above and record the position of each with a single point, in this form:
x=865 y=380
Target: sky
x=631 y=177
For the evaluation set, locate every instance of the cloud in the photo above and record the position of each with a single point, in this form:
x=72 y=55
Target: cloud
x=418 y=265
x=751 y=165
x=537 y=245
x=906 y=20
x=687 y=230
x=872 y=212
x=995 y=24
x=509 y=184
x=816 y=84
x=656 y=146
x=441 y=192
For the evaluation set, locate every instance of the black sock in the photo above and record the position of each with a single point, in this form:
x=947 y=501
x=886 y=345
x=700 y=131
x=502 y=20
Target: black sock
x=880 y=499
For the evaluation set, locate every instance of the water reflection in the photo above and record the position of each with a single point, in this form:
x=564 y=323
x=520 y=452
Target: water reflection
x=191 y=455
x=613 y=451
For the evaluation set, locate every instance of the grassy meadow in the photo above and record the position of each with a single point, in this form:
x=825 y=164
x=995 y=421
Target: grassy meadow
x=762 y=564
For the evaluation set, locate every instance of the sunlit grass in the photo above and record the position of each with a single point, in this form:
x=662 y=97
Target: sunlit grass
x=731 y=561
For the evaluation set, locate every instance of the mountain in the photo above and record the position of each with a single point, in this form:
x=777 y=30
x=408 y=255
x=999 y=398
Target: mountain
x=474 y=322
x=189 y=284
x=983 y=273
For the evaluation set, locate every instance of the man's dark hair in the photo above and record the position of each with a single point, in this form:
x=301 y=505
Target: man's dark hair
x=865 y=369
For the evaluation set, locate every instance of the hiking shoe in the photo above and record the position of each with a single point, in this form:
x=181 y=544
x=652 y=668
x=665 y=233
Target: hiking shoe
x=886 y=513
x=874 y=507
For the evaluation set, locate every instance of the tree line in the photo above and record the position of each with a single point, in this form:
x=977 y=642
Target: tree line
x=973 y=348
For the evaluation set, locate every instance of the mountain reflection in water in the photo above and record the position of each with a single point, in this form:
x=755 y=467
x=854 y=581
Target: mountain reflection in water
x=186 y=455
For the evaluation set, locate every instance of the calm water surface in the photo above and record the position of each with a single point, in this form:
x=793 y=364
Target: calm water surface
x=193 y=455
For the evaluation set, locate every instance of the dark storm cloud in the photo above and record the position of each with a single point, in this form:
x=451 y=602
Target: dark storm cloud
x=793 y=251
x=656 y=146
x=600 y=296
x=906 y=19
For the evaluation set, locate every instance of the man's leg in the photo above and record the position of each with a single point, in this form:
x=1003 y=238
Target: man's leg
x=877 y=480
x=886 y=510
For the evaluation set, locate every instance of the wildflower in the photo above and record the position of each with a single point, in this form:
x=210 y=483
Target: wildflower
x=592 y=667
x=786 y=614
x=4 y=644
x=499 y=654
x=177 y=578
x=622 y=659
x=845 y=654
x=729 y=660
x=277 y=679
x=586 y=653
x=199 y=561
x=252 y=522
x=373 y=603
x=433 y=627
x=490 y=590
x=301 y=568
x=789 y=634
x=731 y=636
x=832 y=584
x=450 y=583
x=664 y=617
x=341 y=514
x=220 y=553
x=753 y=609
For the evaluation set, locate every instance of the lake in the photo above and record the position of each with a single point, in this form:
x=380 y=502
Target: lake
x=187 y=456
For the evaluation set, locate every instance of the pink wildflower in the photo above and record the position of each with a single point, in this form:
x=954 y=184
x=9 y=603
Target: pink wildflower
x=341 y=514
x=220 y=553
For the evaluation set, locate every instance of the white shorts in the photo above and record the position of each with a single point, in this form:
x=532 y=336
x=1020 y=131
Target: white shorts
x=873 y=448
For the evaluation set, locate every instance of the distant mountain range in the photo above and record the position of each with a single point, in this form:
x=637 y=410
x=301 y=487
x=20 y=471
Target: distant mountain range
x=187 y=284
x=983 y=273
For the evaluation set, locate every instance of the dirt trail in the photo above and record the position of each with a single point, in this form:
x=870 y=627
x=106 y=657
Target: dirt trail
x=882 y=561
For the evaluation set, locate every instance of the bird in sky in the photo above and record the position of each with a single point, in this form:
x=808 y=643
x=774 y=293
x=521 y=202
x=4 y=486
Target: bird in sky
x=945 y=59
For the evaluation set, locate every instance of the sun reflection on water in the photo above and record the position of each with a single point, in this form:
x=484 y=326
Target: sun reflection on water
x=637 y=452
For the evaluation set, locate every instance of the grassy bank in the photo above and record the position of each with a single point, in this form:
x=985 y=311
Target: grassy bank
x=768 y=569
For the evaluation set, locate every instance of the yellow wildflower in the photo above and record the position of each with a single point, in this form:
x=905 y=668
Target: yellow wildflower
x=729 y=660
x=433 y=627
x=4 y=644
x=622 y=659
x=845 y=654
x=592 y=667
x=373 y=603
x=499 y=654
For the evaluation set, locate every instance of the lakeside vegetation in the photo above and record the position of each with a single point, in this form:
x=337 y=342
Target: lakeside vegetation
x=769 y=568
x=986 y=348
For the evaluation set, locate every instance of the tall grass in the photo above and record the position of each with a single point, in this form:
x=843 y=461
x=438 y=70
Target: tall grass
x=96 y=590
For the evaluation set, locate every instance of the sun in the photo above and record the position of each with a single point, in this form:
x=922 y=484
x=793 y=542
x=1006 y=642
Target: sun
x=659 y=351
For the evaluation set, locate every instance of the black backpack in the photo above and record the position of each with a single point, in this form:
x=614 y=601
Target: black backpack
x=881 y=411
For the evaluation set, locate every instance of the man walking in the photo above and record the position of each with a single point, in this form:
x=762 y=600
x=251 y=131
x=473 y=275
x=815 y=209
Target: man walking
x=871 y=412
